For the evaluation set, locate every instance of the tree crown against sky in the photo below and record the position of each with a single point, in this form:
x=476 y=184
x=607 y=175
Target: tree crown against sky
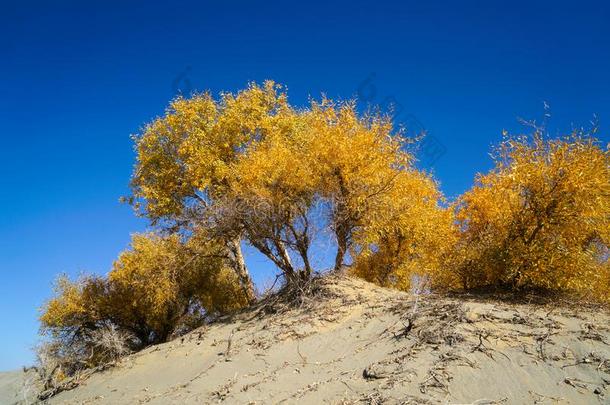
x=446 y=67
x=212 y=174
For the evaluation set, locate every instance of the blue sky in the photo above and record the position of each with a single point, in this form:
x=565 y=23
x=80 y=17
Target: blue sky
x=77 y=78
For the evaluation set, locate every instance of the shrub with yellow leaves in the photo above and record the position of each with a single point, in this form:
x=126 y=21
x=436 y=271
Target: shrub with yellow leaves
x=384 y=213
x=71 y=321
x=357 y=160
x=159 y=282
x=540 y=218
x=74 y=304
x=270 y=192
x=159 y=287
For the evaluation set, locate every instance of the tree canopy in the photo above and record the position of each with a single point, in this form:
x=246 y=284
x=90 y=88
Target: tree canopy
x=540 y=218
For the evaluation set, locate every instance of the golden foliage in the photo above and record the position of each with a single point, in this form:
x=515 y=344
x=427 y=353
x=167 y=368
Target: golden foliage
x=272 y=190
x=382 y=208
x=410 y=236
x=186 y=155
x=540 y=218
x=153 y=288
x=71 y=320
x=357 y=160
x=186 y=158
x=74 y=304
x=250 y=165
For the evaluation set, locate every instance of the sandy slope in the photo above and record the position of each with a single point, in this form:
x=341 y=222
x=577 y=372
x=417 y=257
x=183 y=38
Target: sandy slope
x=16 y=387
x=354 y=343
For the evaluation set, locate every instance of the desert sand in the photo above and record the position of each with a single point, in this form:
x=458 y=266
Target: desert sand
x=353 y=342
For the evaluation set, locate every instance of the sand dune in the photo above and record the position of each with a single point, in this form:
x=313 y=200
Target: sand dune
x=16 y=387
x=357 y=343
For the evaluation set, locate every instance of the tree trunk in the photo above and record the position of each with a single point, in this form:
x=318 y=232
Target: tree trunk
x=341 y=248
x=342 y=221
x=239 y=266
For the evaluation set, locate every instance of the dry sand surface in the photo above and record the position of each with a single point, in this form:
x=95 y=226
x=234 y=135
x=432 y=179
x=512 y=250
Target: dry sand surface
x=357 y=343
x=16 y=387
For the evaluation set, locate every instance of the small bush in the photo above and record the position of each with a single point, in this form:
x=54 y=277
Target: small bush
x=58 y=359
x=539 y=219
x=111 y=343
x=159 y=288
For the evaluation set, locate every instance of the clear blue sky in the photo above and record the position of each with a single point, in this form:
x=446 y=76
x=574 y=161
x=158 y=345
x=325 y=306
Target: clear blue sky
x=77 y=78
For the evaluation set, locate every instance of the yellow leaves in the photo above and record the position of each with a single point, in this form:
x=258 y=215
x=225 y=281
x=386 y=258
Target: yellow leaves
x=151 y=287
x=193 y=146
x=520 y=223
x=406 y=234
x=531 y=220
x=159 y=276
x=145 y=277
x=73 y=303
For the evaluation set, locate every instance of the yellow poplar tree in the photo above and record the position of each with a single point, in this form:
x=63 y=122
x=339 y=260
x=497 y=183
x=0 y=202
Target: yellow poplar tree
x=540 y=218
x=272 y=193
x=251 y=167
x=357 y=159
x=383 y=211
x=185 y=157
